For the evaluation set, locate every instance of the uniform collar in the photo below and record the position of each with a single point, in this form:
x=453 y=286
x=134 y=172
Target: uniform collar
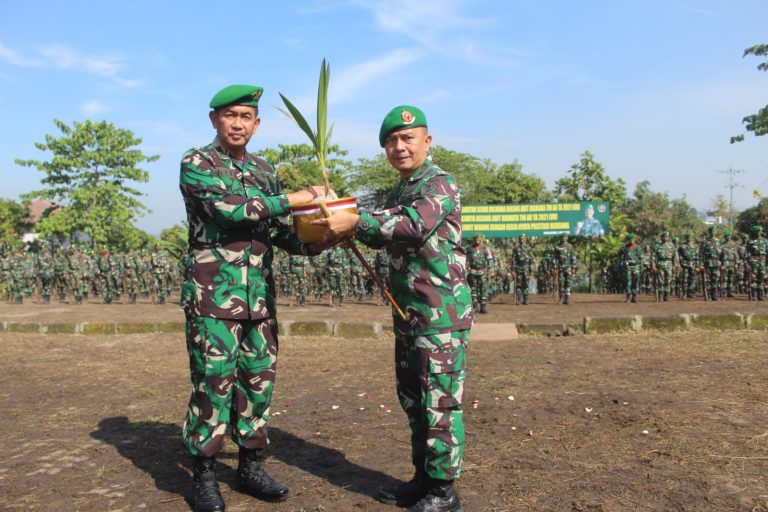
x=224 y=154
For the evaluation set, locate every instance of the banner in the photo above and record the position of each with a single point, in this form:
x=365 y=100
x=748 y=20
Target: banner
x=535 y=219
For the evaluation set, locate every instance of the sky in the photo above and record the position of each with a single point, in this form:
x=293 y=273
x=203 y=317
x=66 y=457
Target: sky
x=653 y=89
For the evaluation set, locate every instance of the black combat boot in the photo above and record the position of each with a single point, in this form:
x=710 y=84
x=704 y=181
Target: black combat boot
x=161 y=300
x=567 y=298
x=713 y=294
x=404 y=494
x=633 y=299
x=46 y=299
x=62 y=297
x=18 y=299
x=525 y=300
x=440 y=497
x=207 y=495
x=253 y=480
x=483 y=307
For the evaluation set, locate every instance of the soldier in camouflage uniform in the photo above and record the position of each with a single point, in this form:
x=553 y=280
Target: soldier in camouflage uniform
x=5 y=274
x=729 y=255
x=664 y=260
x=131 y=276
x=161 y=274
x=16 y=281
x=381 y=266
x=565 y=266
x=757 y=251
x=523 y=263
x=420 y=226
x=336 y=259
x=710 y=256
x=236 y=211
x=688 y=256
x=76 y=283
x=631 y=257
x=61 y=274
x=45 y=273
x=299 y=269
x=479 y=260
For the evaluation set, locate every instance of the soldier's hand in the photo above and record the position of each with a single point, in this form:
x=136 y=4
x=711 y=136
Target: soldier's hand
x=340 y=226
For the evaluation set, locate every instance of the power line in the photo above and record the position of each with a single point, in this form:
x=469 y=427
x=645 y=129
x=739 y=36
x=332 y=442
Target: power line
x=732 y=184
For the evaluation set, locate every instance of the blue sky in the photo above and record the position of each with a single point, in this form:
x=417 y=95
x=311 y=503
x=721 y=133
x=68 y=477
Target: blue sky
x=653 y=89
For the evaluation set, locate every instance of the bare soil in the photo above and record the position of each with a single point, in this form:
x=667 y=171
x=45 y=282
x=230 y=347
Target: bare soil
x=628 y=422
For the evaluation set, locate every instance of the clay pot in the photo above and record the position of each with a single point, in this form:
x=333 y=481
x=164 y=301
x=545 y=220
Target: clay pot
x=304 y=214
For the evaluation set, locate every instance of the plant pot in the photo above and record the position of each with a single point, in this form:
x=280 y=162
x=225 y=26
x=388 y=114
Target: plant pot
x=304 y=214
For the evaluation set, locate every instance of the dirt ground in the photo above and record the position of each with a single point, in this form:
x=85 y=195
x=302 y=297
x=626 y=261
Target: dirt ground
x=541 y=310
x=640 y=422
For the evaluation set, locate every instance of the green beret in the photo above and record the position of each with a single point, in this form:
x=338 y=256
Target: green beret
x=401 y=118
x=757 y=229
x=630 y=237
x=664 y=233
x=247 y=95
x=688 y=234
x=710 y=228
x=727 y=234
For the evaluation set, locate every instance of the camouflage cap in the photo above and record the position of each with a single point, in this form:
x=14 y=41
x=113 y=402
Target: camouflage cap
x=247 y=95
x=401 y=118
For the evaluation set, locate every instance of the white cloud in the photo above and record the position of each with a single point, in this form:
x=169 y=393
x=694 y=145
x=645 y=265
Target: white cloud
x=13 y=57
x=93 y=107
x=61 y=56
x=354 y=79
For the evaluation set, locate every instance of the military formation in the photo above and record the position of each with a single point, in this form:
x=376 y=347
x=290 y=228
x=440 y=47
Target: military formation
x=76 y=275
x=710 y=266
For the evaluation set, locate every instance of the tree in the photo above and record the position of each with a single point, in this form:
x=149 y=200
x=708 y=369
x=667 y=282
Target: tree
x=755 y=216
x=756 y=123
x=652 y=212
x=174 y=241
x=13 y=220
x=89 y=175
x=298 y=167
x=587 y=181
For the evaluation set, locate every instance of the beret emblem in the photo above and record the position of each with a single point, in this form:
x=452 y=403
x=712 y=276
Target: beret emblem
x=407 y=117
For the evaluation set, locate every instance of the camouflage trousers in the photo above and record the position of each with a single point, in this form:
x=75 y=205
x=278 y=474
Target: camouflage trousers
x=338 y=286
x=429 y=371
x=688 y=279
x=300 y=285
x=477 y=286
x=232 y=366
x=664 y=270
x=564 y=278
x=632 y=279
x=522 y=278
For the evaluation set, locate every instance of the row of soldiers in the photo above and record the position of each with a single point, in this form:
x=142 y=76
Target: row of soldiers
x=78 y=273
x=718 y=267
x=336 y=275
x=490 y=276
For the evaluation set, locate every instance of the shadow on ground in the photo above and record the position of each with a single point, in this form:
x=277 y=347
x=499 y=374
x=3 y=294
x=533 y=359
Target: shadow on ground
x=156 y=449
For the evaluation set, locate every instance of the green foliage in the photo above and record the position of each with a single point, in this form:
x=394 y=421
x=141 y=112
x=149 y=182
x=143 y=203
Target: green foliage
x=321 y=137
x=297 y=167
x=757 y=215
x=13 y=220
x=652 y=212
x=88 y=174
x=480 y=181
x=756 y=123
x=173 y=240
x=587 y=181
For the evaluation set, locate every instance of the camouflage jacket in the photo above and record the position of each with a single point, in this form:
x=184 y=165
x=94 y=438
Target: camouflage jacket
x=522 y=257
x=709 y=253
x=420 y=226
x=565 y=256
x=688 y=255
x=236 y=212
x=631 y=257
x=479 y=258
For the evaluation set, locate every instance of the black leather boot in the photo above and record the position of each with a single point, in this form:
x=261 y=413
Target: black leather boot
x=483 y=307
x=207 y=495
x=440 y=497
x=404 y=494
x=253 y=480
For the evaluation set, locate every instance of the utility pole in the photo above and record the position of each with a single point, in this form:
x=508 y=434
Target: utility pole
x=732 y=184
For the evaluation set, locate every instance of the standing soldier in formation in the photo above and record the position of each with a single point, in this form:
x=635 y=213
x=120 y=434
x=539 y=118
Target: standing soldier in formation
x=299 y=270
x=336 y=259
x=381 y=266
x=632 y=263
x=565 y=266
x=479 y=258
x=131 y=276
x=688 y=255
x=161 y=274
x=60 y=275
x=710 y=256
x=664 y=260
x=729 y=255
x=544 y=284
x=76 y=271
x=45 y=271
x=523 y=264
x=757 y=250
x=15 y=281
